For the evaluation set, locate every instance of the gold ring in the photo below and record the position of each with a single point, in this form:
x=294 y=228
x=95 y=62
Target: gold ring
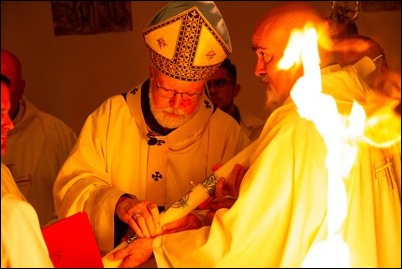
x=136 y=214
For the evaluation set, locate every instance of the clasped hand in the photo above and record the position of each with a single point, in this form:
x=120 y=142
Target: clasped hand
x=144 y=219
x=226 y=192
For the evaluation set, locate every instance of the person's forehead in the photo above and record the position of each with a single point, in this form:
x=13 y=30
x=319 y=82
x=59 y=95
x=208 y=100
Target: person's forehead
x=220 y=73
x=265 y=33
x=5 y=68
x=178 y=84
x=258 y=42
x=264 y=43
x=9 y=67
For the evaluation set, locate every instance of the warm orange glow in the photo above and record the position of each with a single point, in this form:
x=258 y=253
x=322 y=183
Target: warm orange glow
x=339 y=133
x=383 y=127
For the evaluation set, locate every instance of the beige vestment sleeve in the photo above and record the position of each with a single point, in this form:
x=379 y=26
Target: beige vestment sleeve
x=22 y=243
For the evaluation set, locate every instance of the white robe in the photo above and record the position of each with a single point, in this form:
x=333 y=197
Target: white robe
x=112 y=157
x=251 y=124
x=281 y=211
x=22 y=243
x=37 y=147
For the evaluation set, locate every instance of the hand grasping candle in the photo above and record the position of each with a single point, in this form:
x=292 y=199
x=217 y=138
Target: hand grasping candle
x=192 y=199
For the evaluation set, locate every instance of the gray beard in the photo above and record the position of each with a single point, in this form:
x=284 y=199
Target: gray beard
x=273 y=101
x=167 y=121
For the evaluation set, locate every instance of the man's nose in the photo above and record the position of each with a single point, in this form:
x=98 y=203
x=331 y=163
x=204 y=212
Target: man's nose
x=259 y=68
x=176 y=100
x=211 y=87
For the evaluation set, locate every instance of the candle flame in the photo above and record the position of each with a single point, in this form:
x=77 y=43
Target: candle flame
x=339 y=133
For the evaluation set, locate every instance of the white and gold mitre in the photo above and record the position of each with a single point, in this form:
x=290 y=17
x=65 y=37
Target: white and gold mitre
x=188 y=40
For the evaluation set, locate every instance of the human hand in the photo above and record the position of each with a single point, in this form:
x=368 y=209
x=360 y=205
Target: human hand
x=188 y=222
x=226 y=191
x=231 y=186
x=142 y=216
x=134 y=254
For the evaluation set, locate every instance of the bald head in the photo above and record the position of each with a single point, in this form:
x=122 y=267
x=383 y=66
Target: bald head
x=290 y=15
x=11 y=67
x=280 y=21
x=351 y=50
x=270 y=40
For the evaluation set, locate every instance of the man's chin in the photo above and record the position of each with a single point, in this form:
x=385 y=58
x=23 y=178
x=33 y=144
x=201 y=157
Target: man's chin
x=272 y=105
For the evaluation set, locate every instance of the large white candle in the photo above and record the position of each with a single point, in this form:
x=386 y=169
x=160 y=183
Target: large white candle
x=192 y=199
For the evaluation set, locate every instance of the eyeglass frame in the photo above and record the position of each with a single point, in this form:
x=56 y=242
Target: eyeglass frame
x=185 y=96
x=214 y=83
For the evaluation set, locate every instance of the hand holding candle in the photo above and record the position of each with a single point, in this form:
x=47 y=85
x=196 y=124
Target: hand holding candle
x=192 y=199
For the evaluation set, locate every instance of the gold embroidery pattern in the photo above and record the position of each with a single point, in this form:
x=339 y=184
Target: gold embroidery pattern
x=210 y=54
x=161 y=42
x=209 y=184
x=384 y=172
x=181 y=66
x=182 y=202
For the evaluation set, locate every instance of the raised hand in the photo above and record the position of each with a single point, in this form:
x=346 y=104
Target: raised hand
x=226 y=191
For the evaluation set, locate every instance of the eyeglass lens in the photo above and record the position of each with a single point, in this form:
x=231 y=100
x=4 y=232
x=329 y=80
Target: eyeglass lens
x=219 y=83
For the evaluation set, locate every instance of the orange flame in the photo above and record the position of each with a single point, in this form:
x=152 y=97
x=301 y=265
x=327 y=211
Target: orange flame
x=339 y=133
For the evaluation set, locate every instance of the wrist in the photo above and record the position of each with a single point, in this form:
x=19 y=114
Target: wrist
x=124 y=198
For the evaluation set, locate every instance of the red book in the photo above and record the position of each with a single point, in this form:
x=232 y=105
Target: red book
x=71 y=243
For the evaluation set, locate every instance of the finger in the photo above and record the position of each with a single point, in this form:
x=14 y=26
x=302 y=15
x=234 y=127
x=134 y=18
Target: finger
x=216 y=167
x=179 y=225
x=223 y=203
x=235 y=179
x=231 y=182
x=134 y=224
x=129 y=263
x=172 y=226
x=155 y=218
x=219 y=188
x=190 y=221
x=121 y=252
x=236 y=174
x=144 y=221
x=140 y=250
x=239 y=179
